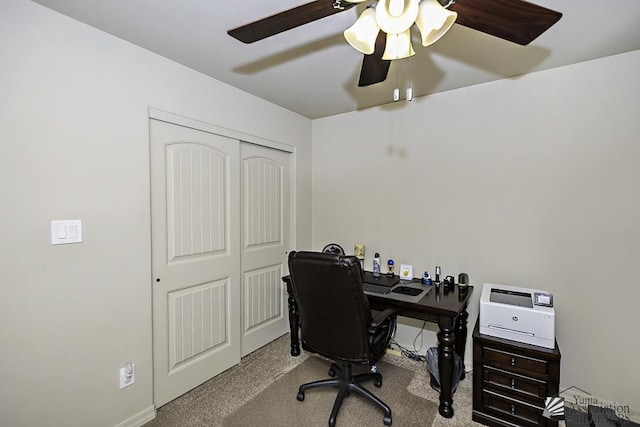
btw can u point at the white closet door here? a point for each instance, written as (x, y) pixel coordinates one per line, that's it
(195, 194)
(265, 243)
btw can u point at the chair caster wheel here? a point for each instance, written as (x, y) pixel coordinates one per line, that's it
(377, 383)
(387, 421)
(300, 396)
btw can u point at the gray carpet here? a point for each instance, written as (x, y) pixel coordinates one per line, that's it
(277, 404)
(208, 404)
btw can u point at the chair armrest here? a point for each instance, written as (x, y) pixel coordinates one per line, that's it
(381, 318)
(380, 331)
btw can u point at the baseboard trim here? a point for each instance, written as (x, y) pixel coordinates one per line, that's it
(139, 419)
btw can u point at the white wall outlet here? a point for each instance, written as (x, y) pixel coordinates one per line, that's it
(127, 375)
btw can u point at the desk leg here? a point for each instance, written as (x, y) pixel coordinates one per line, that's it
(294, 324)
(461, 335)
(446, 347)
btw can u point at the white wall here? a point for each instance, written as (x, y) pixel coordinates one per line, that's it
(531, 182)
(74, 132)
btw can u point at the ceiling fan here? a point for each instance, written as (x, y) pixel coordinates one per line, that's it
(517, 21)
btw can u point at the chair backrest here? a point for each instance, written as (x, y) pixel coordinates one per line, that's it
(334, 311)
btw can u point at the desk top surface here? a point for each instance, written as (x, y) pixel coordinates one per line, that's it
(440, 302)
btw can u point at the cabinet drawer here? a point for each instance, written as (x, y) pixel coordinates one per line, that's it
(512, 410)
(513, 384)
(515, 360)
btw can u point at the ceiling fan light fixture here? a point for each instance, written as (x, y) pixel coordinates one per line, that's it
(363, 33)
(396, 16)
(434, 21)
(398, 46)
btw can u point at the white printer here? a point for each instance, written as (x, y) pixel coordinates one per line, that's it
(519, 314)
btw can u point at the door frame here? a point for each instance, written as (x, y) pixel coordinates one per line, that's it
(218, 130)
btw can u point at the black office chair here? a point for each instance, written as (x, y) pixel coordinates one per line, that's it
(336, 322)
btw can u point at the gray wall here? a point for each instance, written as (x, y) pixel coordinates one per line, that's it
(74, 132)
(530, 182)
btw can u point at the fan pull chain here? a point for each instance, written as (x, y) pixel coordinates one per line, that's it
(396, 91)
(409, 91)
(410, 80)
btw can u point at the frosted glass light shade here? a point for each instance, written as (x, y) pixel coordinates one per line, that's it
(396, 16)
(363, 33)
(434, 21)
(398, 46)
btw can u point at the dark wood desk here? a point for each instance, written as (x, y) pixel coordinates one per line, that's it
(447, 308)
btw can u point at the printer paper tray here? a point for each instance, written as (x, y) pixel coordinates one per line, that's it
(514, 331)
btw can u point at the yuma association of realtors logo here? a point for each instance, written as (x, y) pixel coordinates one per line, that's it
(554, 408)
(583, 408)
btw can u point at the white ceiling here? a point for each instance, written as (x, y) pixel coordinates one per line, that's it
(311, 70)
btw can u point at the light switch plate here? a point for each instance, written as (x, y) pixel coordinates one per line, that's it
(66, 231)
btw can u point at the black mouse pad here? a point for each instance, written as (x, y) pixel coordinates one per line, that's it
(407, 290)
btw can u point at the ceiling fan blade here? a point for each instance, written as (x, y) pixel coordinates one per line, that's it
(374, 68)
(287, 20)
(514, 20)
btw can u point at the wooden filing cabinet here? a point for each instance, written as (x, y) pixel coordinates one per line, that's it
(512, 380)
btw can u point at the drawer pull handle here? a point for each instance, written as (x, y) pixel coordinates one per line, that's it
(513, 383)
(513, 361)
(513, 410)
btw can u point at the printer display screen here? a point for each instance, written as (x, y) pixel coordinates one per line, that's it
(521, 299)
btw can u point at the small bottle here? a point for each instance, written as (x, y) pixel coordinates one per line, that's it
(426, 278)
(438, 273)
(376, 265)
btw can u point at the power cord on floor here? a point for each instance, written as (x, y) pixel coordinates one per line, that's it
(414, 354)
(411, 354)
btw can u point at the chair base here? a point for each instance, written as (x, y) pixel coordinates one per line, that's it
(347, 382)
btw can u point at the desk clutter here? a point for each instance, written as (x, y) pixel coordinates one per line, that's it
(402, 286)
(393, 287)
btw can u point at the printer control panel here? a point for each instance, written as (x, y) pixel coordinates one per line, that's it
(543, 299)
